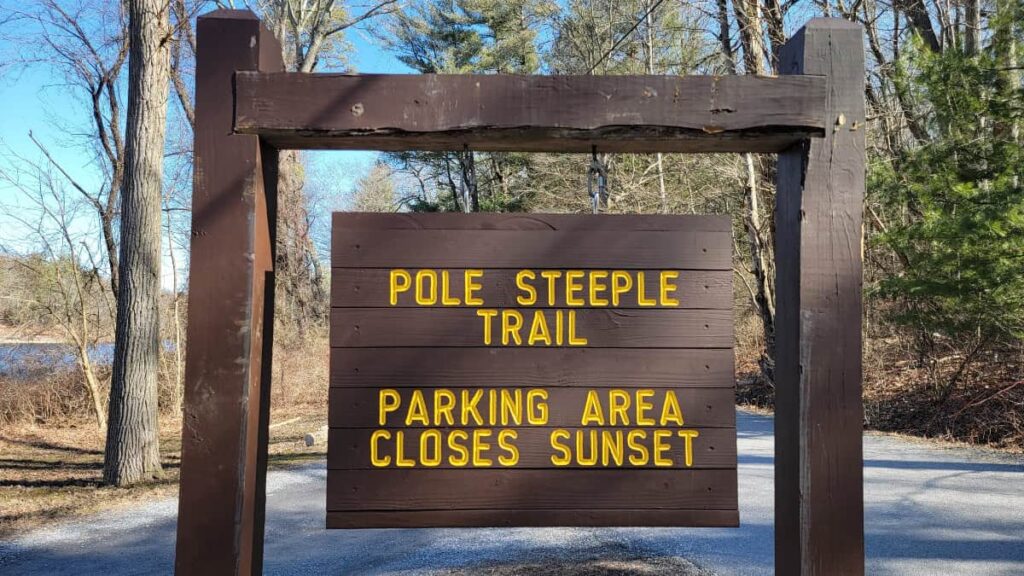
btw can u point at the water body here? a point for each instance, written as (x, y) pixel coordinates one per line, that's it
(22, 360)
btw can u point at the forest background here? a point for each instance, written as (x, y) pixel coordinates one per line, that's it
(944, 211)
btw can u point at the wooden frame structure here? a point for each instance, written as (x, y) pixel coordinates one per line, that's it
(247, 109)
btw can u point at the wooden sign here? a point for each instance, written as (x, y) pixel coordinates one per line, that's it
(531, 370)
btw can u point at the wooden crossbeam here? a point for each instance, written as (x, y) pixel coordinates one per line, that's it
(530, 113)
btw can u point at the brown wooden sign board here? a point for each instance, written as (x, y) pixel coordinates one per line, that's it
(812, 115)
(531, 370)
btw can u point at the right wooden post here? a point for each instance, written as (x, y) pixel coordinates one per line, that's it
(819, 494)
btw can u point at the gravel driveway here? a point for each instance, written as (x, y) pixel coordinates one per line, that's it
(930, 511)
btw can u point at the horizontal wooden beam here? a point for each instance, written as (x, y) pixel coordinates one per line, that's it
(531, 366)
(503, 488)
(359, 407)
(710, 448)
(530, 113)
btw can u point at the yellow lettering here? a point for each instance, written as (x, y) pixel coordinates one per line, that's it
(688, 436)
(574, 340)
(511, 324)
(537, 407)
(643, 407)
(444, 407)
(622, 283)
(446, 287)
(580, 458)
(539, 330)
(428, 438)
(529, 298)
(511, 407)
(471, 287)
(660, 447)
(558, 327)
(400, 282)
(462, 457)
(504, 442)
(388, 400)
(572, 287)
(592, 412)
(641, 292)
(486, 314)
(417, 410)
(596, 286)
(611, 447)
(551, 276)
(670, 411)
(479, 447)
(400, 460)
(469, 407)
(426, 287)
(618, 404)
(668, 287)
(640, 456)
(565, 456)
(493, 408)
(375, 459)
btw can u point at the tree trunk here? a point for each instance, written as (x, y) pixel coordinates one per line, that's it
(748, 18)
(133, 440)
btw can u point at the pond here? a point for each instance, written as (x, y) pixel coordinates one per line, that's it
(23, 359)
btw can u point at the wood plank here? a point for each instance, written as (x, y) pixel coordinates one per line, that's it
(413, 489)
(819, 486)
(528, 113)
(523, 221)
(548, 367)
(714, 448)
(530, 249)
(533, 518)
(701, 407)
(461, 327)
(369, 288)
(220, 520)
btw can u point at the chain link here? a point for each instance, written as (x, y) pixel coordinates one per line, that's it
(597, 174)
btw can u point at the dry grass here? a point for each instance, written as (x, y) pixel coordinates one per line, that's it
(49, 474)
(51, 452)
(986, 407)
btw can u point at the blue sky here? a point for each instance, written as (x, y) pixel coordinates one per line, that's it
(33, 98)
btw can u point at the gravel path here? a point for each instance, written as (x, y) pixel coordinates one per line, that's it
(930, 511)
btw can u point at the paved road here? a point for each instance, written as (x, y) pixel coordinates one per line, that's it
(930, 511)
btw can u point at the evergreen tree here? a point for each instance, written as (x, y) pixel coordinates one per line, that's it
(961, 237)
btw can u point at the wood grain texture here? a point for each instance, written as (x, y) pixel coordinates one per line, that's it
(548, 367)
(368, 288)
(528, 113)
(714, 448)
(530, 249)
(461, 327)
(522, 221)
(413, 489)
(220, 517)
(819, 498)
(532, 518)
(701, 407)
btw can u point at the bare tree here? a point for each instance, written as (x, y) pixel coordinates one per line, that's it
(67, 294)
(86, 41)
(133, 440)
(311, 33)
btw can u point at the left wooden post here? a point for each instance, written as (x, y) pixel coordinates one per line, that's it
(230, 311)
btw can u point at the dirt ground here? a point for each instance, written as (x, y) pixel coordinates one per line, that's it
(49, 473)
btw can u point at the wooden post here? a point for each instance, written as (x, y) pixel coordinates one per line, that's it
(819, 498)
(223, 461)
